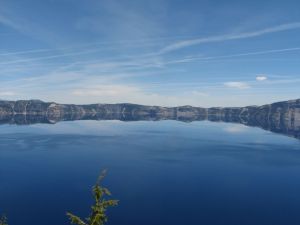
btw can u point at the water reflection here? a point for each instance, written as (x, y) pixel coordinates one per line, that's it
(289, 124)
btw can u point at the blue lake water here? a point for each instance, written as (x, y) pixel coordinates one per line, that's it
(163, 173)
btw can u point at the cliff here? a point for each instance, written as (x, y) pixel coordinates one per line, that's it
(281, 117)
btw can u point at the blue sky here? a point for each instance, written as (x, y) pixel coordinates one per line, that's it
(159, 52)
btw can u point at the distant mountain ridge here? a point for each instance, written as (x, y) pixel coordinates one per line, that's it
(281, 117)
(40, 107)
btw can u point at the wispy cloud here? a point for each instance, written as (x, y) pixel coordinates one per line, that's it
(7, 93)
(24, 25)
(117, 57)
(199, 93)
(7, 21)
(106, 91)
(237, 85)
(261, 78)
(192, 42)
(211, 58)
(51, 57)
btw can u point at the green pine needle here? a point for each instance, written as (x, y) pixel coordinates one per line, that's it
(98, 215)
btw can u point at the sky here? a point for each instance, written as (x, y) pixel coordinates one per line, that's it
(159, 52)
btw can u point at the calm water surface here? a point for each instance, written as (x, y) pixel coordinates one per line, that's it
(163, 173)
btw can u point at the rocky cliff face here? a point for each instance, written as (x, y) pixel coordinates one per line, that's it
(57, 112)
(281, 117)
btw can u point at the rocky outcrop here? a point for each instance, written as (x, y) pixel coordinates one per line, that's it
(281, 117)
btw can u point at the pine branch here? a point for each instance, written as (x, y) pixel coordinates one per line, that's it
(98, 215)
(3, 220)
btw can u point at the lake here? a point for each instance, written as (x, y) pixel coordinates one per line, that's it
(163, 172)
